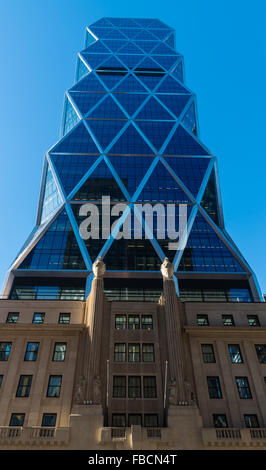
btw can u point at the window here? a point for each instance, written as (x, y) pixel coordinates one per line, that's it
(253, 320)
(214, 387)
(119, 420)
(38, 317)
(148, 352)
(243, 387)
(120, 352)
(134, 387)
(17, 419)
(220, 421)
(235, 353)
(134, 419)
(64, 318)
(120, 322)
(12, 317)
(147, 322)
(24, 386)
(149, 387)
(228, 320)
(150, 420)
(202, 320)
(5, 349)
(1, 380)
(133, 352)
(119, 386)
(49, 419)
(31, 351)
(261, 352)
(54, 386)
(251, 421)
(59, 352)
(208, 353)
(133, 322)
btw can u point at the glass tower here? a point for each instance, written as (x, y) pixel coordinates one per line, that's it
(130, 135)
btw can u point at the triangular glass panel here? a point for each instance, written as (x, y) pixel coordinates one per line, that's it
(191, 171)
(174, 103)
(148, 65)
(170, 85)
(156, 131)
(182, 143)
(82, 70)
(77, 141)
(86, 101)
(151, 81)
(130, 33)
(110, 79)
(108, 109)
(130, 61)
(146, 46)
(158, 24)
(71, 168)
(161, 33)
(130, 48)
(163, 49)
(209, 201)
(162, 187)
(189, 120)
(56, 250)
(93, 60)
(123, 22)
(130, 101)
(170, 41)
(166, 61)
(114, 44)
(132, 255)
(101, 32)
(145, 22)
(178, 72)
(130, 143)
(70, 117)
(103, 22)
(145, 35)
(51, 198)
(131, 170)
(111, 64)
(105, 130)
(154, 110)
(206, 252)
(114, 34)
(100, 183)
(89, 83)
(130, 84)
(97, 47)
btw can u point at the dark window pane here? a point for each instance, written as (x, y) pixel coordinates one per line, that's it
(119, 420)
(148, 353)
(133, 352)
(134, 387)
(133, 322)
(31, 351)
(64, 318)
(235, 353)
(54, 386)
(147, 322)
(134, 419)
(220, 421)
(149, 387)
(12, 317)
(119, 386)
(243, 387)
(151, 420)
(17, 419)
(202, 320)
(38, 317)
(120, 352)
(59, 352)
(5, 349)
(49, 419)
(120, 322)
(261, 352)
(24, 386)
(253, 320)
(228, 320)
(251, 421)
(208, 353)
(214, 387)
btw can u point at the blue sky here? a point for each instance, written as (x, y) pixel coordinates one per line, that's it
(224, 45)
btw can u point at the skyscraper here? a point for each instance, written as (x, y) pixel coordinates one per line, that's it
(129, 145)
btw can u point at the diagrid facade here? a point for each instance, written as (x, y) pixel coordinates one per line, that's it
(128, 268)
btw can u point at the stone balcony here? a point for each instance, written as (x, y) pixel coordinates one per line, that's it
(34, 436)
(234, 437)
(133, 437)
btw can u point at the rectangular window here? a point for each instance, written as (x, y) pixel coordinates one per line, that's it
(5, 349)
(1, 380)
(38, 318)
(59, 352)
(31, 351)
(17, 419)
(119, 420)
(235, 353)
(119, 386)
(202, 320)
(12, 317)
(253, 320)
(261, 352)
(133, 322)
(54, 386)
(251, 421)
(120, 322)
(220, 421)
(134, 419)
(150, 420)
(228, 320)
(24, 386)
(243, 387)
(214, 387)
(49, 420)
(208, 353)
(134, 387)
(148, 353)
(120, 352)
(149, 387)
(146, 322)
(133, 352)
(64, 318)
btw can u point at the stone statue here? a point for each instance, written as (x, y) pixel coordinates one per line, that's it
(98, 268)
(167, 269)
(172, 392)
(80, 391)
(189, 393)
(97, 390)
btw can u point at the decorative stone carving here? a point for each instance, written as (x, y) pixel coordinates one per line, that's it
(97, 390)
(98, 268)
(172, 392)
(167, 269)
(80, 391)
(189, 392)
